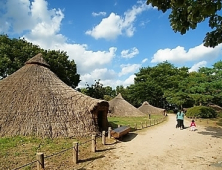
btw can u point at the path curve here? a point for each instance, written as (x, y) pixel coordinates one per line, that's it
(163, 147)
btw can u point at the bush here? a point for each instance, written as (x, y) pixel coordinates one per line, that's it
(201, 112)
(219, 114)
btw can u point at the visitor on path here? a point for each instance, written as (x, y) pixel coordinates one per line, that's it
(177, 125)
(180, 118)
(193, 125)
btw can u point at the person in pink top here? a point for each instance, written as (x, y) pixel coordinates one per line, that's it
(192, 125)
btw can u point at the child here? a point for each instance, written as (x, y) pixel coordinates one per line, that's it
(192, 125)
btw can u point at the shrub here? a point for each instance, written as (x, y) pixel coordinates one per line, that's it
(201, 112)
(219, 114)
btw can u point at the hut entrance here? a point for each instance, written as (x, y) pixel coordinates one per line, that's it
(101, 119)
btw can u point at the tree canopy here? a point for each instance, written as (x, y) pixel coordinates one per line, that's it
(15, 52)
(186, 14)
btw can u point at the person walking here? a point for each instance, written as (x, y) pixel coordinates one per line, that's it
(180, 118)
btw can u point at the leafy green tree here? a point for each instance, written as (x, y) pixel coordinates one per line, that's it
(15, 52)
(186, 14)
(95, 90)
(213, 82)
(152, 82)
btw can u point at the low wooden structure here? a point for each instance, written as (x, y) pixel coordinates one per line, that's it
(120, 131)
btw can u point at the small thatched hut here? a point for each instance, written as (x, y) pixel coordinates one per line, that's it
(34, 101)
(149, 109)
(120, 107)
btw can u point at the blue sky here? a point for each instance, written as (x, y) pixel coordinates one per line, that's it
(108, 40)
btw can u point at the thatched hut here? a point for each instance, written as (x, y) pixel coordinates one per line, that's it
(149, 109)
(120, 107)
(34, 101)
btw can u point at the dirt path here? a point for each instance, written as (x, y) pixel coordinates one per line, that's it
(163, 147)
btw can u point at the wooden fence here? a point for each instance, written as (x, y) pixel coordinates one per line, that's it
(40, 158)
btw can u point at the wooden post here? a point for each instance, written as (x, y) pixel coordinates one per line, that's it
(149, 116)
(109, 132)
(40, 161)
(93, 143)
(150, 122)
(75, 152)
(141, 125)
(103, 137)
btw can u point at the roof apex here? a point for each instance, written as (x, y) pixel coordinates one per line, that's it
(37, 59)
(119, 96)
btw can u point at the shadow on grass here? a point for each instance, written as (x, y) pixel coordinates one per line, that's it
(215, 132)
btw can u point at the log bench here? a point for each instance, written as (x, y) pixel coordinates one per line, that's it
(120, 131)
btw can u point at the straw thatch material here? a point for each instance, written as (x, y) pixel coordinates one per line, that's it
(216, 107)
(34, 101)
(149, 109)
(120, 107)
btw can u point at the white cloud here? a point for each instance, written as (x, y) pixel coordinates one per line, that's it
(144, 60)
(98, 14)
(21, 15)
(109, 28)
(196, 67)
(180, 55)
(114, 25)
(106, 76)
(129, 68)
(88, 60)
(129, 81)
(130, 53)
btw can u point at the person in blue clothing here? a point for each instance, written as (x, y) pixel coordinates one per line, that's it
(180, 118)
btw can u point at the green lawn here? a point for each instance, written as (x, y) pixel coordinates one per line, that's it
(131, 121)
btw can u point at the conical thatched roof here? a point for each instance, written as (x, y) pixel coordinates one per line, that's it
(149, 109)
(120, 107)
(34, 101)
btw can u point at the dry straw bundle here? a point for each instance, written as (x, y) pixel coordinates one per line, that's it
(120, 107)
(149, 109)
(34, 101)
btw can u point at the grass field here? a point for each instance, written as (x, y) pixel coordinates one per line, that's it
(130, 121)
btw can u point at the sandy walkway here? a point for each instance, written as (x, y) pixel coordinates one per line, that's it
(163, 147)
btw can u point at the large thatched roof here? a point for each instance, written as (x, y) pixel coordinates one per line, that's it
(149, 109)
(34, 101)
(120, 107)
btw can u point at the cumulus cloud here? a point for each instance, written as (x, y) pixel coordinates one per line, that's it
(196, 66)
(129, 80)
(106, 77)
(180, 55)
(114, 25)
(129, 68)
(98, 14)
(22, 15)
(130, 53)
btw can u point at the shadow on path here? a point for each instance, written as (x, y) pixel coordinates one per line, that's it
(215, 132)
(128, 137)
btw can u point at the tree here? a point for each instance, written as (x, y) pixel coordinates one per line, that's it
(15, 52)
(186, 14)
(152, 82)
(95, 90)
